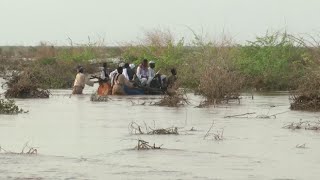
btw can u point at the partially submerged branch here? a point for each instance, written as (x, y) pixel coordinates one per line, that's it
(307, 125)
(218, 136)
(26, 150)
(135, 128)
(172, 101)
(144, 145)
(240, 115)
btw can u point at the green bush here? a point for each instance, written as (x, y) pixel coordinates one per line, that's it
(272, 61)
(8, 106)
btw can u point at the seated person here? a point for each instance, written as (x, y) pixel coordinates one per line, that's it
(152, 73)
(131, 71)
(125, 71)
(155, 79)
(114, 73)
(122, 86)
(143, 72)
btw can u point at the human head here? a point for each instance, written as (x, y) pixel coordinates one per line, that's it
(104, 65)
(120, 69)
(132, 66)
(126, 65)
(80, 69)
(152, 64)
(174, 71)
(145, 62)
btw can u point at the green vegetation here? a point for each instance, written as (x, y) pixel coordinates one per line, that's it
(215, 69)
(8, 106)
(158, 46)
(272, 62)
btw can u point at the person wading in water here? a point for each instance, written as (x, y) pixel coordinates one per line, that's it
(79, 82)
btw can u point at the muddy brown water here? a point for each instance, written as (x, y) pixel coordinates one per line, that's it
(80, 139)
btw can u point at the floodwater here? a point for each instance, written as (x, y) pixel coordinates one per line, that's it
(80, 139)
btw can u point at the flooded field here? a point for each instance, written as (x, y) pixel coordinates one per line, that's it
(80, 139)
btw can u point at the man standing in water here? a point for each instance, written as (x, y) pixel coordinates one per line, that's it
(79, 82)
(172, 83)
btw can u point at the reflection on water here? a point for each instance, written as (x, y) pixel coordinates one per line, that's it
(80, 139)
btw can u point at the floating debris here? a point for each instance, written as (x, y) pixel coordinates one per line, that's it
(135, 128)
(263, 116)
(172, 130)
(144, 145)
(301, 146)
(307, 125)
(240, 115)
(260, 116)
(218, 136)
(172, 101)
(30, 150)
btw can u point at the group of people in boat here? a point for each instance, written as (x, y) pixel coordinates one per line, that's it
(129, 80)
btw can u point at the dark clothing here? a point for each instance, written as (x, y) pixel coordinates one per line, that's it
(105, 74)
(156, 82)
(130, 73)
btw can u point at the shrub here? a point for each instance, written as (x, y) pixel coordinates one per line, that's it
(8, 106)
(218, 84)
(272, 61)
(307, 96)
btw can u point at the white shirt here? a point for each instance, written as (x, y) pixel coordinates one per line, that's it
(112, 74)
(103, 75)
(125, 73)
(151, 75)
(80, 80)
(140, 73)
